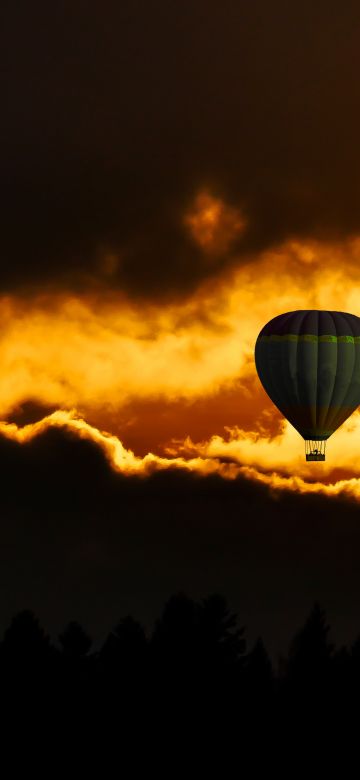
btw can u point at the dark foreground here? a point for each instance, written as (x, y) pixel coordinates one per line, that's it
(193, 678)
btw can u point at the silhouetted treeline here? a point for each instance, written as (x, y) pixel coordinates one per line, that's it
(195, 663)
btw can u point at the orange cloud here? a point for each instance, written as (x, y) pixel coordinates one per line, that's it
(213, 224)
(99, 353)
(108, 358)
(282, 453)
(205, 462)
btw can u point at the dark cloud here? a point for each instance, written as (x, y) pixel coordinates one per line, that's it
(113, 116)
(29, 411)
(78, 541)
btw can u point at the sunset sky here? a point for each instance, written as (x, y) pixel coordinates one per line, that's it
(174, 175)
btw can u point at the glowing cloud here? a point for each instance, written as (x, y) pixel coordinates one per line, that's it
(207, 462)
(104, 354)
(283, 453)
(213, 224)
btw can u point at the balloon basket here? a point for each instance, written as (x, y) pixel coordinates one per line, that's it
(315, 449)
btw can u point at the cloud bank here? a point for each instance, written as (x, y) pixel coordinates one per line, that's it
(118, 121)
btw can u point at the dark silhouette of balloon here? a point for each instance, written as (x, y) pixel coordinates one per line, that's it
(309, 364)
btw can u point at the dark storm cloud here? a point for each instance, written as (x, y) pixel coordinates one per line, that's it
(113, 115)
(79, 541)
(29, 411)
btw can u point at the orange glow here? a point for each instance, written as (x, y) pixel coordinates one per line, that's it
(126, 462)
(177, 383)
(213, 224)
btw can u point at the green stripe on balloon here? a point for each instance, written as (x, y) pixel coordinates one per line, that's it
(311, 338)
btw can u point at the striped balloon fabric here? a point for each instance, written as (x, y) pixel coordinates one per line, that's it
(308, 362)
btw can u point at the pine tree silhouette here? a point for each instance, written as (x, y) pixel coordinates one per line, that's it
(24, 640)
(310, 650)
(223, 642)
(175, 636)
(125, 647)
(27, 660)
(194, 670)
(309, 665)
(75, 667)
(74, 641)
(122, 668)
(259, 671)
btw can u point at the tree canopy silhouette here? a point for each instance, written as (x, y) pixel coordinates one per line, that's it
(74, 640)
(194, 664)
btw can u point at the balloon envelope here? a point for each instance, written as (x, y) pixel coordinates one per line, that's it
(308, 362)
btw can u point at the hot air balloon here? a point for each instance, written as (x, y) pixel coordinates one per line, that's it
(308, 361)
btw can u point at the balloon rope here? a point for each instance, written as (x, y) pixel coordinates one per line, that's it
(315, 449)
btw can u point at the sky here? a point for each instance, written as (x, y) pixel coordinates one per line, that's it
(173, 176)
